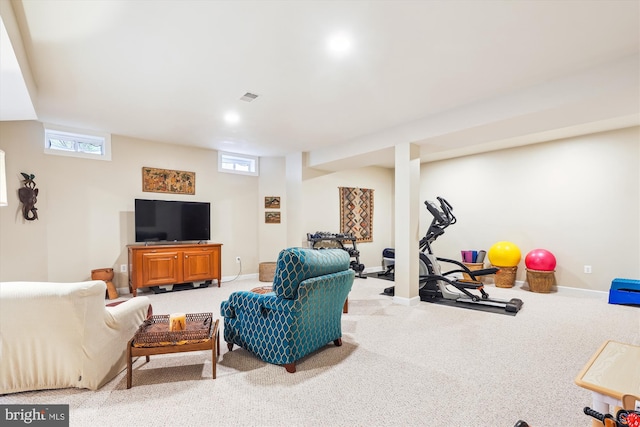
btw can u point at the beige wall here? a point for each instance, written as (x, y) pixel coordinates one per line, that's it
(577, 197)
(86, 206)
(272, 237)
(321, 203)
(86, 218)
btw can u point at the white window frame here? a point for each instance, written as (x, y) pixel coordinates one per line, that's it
(77, 136)
(238, 159)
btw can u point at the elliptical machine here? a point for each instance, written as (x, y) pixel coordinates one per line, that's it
(435, 285)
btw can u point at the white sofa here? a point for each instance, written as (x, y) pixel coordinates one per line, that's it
(58, 335)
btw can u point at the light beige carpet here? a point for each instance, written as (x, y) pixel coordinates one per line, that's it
(428, 365)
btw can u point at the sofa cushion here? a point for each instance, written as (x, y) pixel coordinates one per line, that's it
(295, 265)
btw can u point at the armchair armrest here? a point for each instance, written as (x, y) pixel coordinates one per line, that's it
(251, 302)
(239, 301)
(272, 302)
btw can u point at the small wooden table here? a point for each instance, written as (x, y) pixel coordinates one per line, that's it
(154, 337)
(612, 372)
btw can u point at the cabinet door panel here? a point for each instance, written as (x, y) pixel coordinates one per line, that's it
(160, 268)
(199, 265)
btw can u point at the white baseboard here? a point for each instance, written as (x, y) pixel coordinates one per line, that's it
(409, 302)
(570, 291)
(567, 290)
(583, 292)
(240, 277)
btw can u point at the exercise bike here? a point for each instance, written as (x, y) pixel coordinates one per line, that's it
(437, 286)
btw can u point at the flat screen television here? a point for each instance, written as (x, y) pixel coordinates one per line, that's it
(172, 221)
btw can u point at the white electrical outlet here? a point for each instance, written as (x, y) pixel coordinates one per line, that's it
(238, 259)
(123, 268)
(587, 269)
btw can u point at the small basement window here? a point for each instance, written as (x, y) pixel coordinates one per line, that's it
(238, 163)
(69, 142)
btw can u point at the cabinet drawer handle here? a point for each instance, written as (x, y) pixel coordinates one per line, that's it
(186, 256)
(176, 257)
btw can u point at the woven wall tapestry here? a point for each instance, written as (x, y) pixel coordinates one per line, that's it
(356, 213)
(168, 181)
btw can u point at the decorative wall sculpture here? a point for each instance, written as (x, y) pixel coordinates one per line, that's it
(356, 213)
(29, 196)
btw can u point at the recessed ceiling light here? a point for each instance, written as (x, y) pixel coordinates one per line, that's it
(339, 43)
(231, 118)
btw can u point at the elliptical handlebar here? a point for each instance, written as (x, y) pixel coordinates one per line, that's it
(442, 218)
(443, 215)
(447, 209)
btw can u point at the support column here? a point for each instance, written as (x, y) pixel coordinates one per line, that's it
(407, 221)
(272, 182)
(295, 234)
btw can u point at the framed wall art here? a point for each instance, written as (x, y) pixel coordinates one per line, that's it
(272, 217)
(168, 181)
(272, 202)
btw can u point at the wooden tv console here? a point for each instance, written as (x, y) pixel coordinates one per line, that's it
(160, 265)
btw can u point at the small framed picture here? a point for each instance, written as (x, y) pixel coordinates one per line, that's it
(272, 217)
(272, 202)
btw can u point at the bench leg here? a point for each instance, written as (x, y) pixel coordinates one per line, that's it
(129, 364)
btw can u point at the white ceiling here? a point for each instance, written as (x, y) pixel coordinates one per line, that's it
(453, 76)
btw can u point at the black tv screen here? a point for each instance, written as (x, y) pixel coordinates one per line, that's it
(171, 221)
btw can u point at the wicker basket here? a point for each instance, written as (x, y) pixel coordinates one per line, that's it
(506, 277)
(266, 271)
(473, 266)
(540, 281)
(154, 332)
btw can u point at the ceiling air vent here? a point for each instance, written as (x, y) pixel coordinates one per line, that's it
(248, 97)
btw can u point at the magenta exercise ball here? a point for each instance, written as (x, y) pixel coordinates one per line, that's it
(504, 254)
(540, 259)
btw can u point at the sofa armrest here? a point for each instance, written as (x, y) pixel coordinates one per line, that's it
(130, 312)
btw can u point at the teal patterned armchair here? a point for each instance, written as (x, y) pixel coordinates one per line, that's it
(301, 315)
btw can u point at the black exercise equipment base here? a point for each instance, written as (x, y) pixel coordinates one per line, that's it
(179, 287)
(472, 306)
(511, 307)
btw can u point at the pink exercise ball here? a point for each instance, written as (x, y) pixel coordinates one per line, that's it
(540, 259)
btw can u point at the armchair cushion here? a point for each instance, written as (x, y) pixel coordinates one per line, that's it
(302, 314)
(58, 335)
(296, 265)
